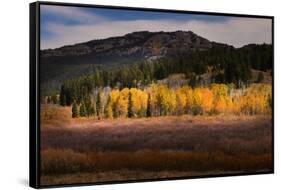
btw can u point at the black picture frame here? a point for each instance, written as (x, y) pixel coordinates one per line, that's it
(34, 91)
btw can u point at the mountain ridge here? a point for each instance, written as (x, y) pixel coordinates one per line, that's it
(141, 44)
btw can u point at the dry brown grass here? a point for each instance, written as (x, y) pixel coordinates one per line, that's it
(90, 150)
(67, 165)
(54, 115)
(67, 161)
(251, 134)
(124, 175)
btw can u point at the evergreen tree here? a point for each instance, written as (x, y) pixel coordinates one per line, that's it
(74, 110)
(62, 96)
(260, 77)
(54, 99)
(130, 106)
(148, 111)
(48, 100)
(94, 108)
(108, 109)
(64, 100)
(193, 81)
(82, 111)
(88, 105)
(98, 78)
(99, 104)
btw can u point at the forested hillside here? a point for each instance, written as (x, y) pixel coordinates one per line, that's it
(140, 58)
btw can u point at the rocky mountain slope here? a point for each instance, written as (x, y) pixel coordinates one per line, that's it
(136, 45)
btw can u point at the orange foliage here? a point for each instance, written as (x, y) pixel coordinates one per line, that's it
(256, 99)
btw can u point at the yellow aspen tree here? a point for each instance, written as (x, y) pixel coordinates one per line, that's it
(112, 102)
(190, 101)
(220, 104)
(202, 100)
(143, 98)
(153, 91)
(206, 100)
(122, 103)
(180, 101)
(256, 99)
(219, 89)
(166, 100)
(196, 107)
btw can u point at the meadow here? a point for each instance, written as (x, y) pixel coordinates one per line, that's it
(83, 150)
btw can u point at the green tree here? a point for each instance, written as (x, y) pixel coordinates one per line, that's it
(94, 108)
(74, 110)
(49, 100)
(260, 77)
(108, 109)
(130, 106)
(88, 105)
(99, 104)
(54, 99)
(148, 110)
(82, 111)
(193, 81)
(62, 96)
(64, 100)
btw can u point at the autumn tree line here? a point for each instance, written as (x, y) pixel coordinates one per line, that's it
(134, 90)
(159, 100)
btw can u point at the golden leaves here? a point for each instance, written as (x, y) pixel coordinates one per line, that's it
(218, 98)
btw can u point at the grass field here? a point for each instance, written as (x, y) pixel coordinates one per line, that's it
(90, 150)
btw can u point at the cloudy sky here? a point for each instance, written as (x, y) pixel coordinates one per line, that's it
(64, 25)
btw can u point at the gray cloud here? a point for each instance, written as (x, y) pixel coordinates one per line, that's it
(236, 31)
(71, 13)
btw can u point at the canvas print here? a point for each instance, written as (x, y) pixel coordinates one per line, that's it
(129, 95)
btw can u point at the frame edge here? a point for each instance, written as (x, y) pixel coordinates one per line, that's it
(33, 87)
